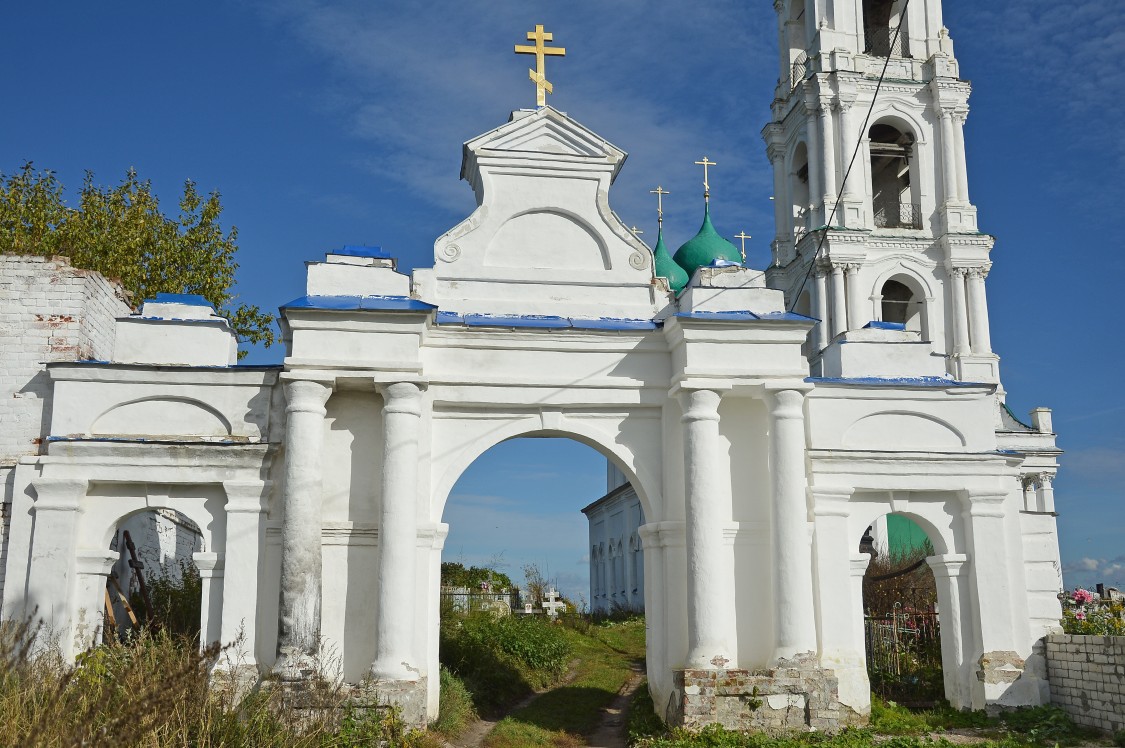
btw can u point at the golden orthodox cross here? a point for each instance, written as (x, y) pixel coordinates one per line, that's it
(540, 50)
(660, 192)
(706, 185)
(743, 236)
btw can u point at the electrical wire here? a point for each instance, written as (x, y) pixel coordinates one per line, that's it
(855, 153)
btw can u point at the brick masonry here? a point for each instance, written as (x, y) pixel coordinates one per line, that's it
(1087, 675)
(49, 311)
(796, 696)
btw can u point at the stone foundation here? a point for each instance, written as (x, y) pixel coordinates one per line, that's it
(313, 697)
(794, 696)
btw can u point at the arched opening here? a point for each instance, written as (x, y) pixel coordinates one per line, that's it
(797, 42)
(539, 528)
(900, 609)
(157, 579)
(880, 20)
(799, 188)
(902, 305)
(892, 186)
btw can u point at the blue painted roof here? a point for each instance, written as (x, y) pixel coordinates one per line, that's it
(746, 316)
(540, 321)
(357, 250)
(365, 303)
(896, 381)
(877, 325)
(190, 299)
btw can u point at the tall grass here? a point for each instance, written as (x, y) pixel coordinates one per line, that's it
(158, 691)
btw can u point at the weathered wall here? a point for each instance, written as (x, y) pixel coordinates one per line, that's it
(1087, 676)
(49, 311)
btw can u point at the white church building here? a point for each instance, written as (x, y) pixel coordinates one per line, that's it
(763, 420)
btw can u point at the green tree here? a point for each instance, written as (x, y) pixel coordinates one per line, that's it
(454, 574)
(121, 233)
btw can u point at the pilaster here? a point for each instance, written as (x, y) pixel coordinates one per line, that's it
(246, 507)
(51, 578)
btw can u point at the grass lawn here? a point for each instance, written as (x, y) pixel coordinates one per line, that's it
(561, 716)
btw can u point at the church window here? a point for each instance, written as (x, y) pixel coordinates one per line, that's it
(892, 189)
(880, 20)
(797, 41)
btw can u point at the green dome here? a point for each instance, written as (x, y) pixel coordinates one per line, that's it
(706, 247)
(666, 267)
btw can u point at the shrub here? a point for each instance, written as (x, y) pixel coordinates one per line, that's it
(502, 659)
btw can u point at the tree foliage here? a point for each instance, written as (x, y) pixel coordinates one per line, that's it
(121, 233)
(454, 574)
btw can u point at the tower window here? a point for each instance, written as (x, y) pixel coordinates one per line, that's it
(880, 19)
(891, 188)
(900, 304)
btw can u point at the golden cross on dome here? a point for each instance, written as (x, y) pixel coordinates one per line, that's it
(660, 192)
(743, 236)
(540, 50)
(636, 231)
(706, 185)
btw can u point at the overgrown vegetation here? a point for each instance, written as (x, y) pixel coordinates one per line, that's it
(122, 233)
(603, 655)
(157, 691)
(502, 659)
(892, 726)
(454, 574)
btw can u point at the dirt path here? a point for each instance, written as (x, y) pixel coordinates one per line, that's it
(611, 733)
(475, 733)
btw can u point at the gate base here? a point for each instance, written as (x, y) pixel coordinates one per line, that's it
(796, 695)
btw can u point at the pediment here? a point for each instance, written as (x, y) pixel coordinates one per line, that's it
(545, 131)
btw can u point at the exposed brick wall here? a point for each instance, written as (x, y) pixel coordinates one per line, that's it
(49, 311)
(1087, 675)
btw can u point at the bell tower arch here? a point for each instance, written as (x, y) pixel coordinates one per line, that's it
(868, 150)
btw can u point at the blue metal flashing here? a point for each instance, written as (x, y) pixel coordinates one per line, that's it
(877, 325)
(236, 442)
(356, 250)
(365, 303)
(721, 263)
(188, 299)
(940, 382)
(745, 316)
(546, 322)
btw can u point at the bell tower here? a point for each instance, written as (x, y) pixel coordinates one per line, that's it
(889, 236)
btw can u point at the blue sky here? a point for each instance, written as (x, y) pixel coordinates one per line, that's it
(331, 123)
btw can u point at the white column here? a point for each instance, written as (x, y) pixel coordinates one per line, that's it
(855, 307)
(299, 615)
(949, 576)
(816, 158)
(782, 215)
(398, 532)
(828, 148)
(710, 573)
(210, 566)
(959, 312)
(820, 293)
(839, 301)
(981, 338)
(948, 156)
(962, 163)
(93, 569)
(246, 507)
(51, 573)
(793, 598)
